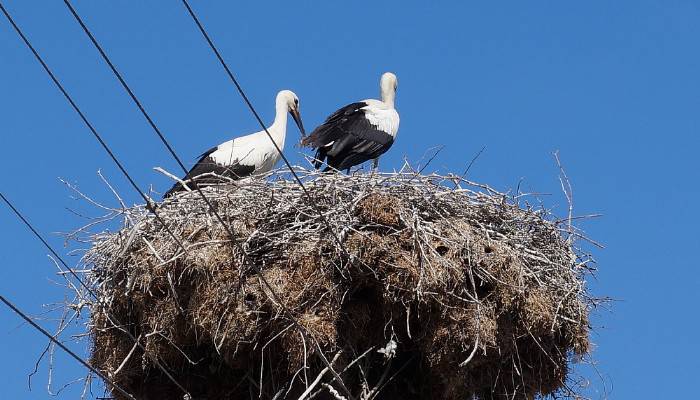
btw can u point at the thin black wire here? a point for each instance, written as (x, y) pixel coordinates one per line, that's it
(226, 226)
(63, 347)
(150, 121)
(296, 177)
(88, 288)
(126, 87)
(262, 124)
(154, 126)
(149, 203)
(38, 236)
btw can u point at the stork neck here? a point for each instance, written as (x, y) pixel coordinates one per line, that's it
(280, 114)
(388, 97)
(278, 129)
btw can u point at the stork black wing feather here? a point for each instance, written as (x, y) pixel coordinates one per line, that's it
(332, 128)
(354, 149)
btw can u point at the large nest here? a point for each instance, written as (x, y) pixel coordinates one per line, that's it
(411, 286)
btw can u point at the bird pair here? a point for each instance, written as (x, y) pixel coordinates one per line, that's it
(354, 134)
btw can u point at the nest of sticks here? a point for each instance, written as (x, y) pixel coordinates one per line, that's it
(408, 286)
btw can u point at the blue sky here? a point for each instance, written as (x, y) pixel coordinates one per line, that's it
(614, 86)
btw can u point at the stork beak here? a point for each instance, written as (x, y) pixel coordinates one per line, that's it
(297, 119)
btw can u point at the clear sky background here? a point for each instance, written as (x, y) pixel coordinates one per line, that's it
(615, 86)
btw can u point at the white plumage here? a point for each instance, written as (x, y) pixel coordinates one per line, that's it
(250, 154)
(382, 115)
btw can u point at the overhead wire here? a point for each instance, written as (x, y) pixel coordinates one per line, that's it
(240, 90)
(149, 202)
(63, 347)
(233, 79)
(227, 227)
(87, 287)
(124, 84)
(46, 244)
(155, 128)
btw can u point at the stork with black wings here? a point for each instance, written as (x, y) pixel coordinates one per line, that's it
(358, 132)
(246, 155)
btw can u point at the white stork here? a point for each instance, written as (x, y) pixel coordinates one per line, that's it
(250, 154)
(357, 132)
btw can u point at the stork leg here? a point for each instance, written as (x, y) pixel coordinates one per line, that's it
(375, 164)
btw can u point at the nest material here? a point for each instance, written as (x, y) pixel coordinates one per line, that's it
(435, 293)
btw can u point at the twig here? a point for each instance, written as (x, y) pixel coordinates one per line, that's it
(173, 177)
(126, 359)
(316, 381)
(566, 188)
(476, 346)
(469, 166)
(334, 392)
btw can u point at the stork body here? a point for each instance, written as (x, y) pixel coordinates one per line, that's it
(358, 132)
(246, 155)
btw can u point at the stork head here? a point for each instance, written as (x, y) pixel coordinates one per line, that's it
(287, 98)
(388, 85)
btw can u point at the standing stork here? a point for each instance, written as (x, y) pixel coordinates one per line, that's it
(357, 132)
(246, 155)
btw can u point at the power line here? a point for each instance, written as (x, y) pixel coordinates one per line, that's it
(296, 177)
(158, 132)
(228, 229)
(124, 84)
(149, 203)
(262, 124)
(226, 226)
(41, 238)
(63, 347)
(154, 126)
(89, 289)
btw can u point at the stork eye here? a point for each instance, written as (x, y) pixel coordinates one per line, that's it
(296, 101)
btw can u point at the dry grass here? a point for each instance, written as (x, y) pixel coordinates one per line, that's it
(482, 297)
